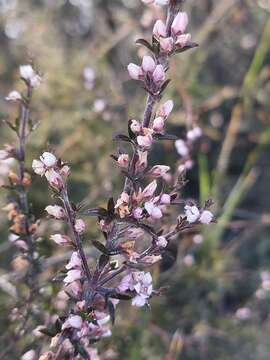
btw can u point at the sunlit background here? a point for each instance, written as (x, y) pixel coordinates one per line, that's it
(217, 303)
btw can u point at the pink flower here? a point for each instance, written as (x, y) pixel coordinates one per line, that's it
(153, 210)
(54, 179)
(141, 163)
(180, 23)
(183, 40)
(61, 239)
(158, 124)
(137, 213)
(123, 160)
(80, 226)
(75, 287)
(165, 199)
(75, 261)
(159, 74)
(165, 109)
(159, 170)
(194, 134)
(150, 189)
(206, 217)
(161, 242)
(73, 321)
(148, 64)
(159, 29)
(192, 213)
(72, 275)
(56, 211)
(145, 141)
(135, 71)
(38, 167)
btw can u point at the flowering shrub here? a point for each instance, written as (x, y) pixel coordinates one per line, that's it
(139, 212)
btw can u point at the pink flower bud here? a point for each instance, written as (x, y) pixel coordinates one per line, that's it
(166, 109)
(48, 159)
(21, 244)
(153, 210)
(54, 179)
(181, 148)
(165, 199)
(206, 217)
(73, 321)
(75, 287)
(80, 226)
(183, 40)
(161, 242)
(135, 126)
(123, 160)
(159, 29)
(35, 81)
(145, 141)
(38, 167)
(135, 71)
(72, 275)
(194, 134)
(148, 64)
(150, 189)
(180, 23)
(56, 211)
(141, 164)
(61, 239)
(159, 74)
(75, 261)
(166, 44)
(137, 213)
(159, 170)
(64, 171)
(14, 96)
(158, 124)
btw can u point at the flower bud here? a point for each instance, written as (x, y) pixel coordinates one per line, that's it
(166, 109)
(141, 164)
(166, 44)
(64, 171)
(123, 160)
(135, 126)
(61, 239)
(14, 96)
(135, 71)
(56, 211)
(73, 321)
(72, 275)
(153, 210)
(148, 64)
(145, 141)
(159, 29)
(54, 179)
(27, 72)
(181, 148)
(194, 134)
(159, 74)
(159, 170)
(161, 242)
(29, 355)
(165, 199)
(180, 23)
(80, 226)
(75, 261)
(183, 40)
(150, 189)
(192, 213)
(137, 213)
(48, 159)
(206, 217)
(158, 124)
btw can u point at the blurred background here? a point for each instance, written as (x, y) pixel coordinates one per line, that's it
(217, 304)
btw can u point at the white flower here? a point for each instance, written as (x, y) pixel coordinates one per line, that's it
(243, 313)
(54, 179)
(48, 159)
(161, 242)
(27, 72)
(29, 355)
(60, 239)
(80, 226)
(206, 217)
(75, 261)
(150, 189)
(14, 96)
(153, 210)
(192, 213)
(38, 167)
(181, 147)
